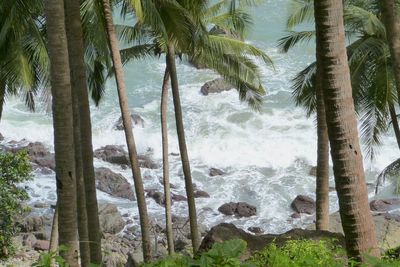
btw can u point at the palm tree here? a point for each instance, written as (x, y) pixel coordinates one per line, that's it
(126, 118)
(346, 155)
(63, 129)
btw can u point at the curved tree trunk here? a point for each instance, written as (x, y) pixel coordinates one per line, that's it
(183, 150)
(78, 82)
(322, 185)
(63, 129)
(126, 118)
(395, 123)
(346, 155)
(167, 190)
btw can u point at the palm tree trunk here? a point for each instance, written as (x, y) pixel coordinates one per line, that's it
(63, 129)
(126, 118)
(395, 123)
(78, 82)
(2, 98)
(392, 25)
(167, 190)
(54, 232)
(183, 150)
(322, 185)
(346, 155)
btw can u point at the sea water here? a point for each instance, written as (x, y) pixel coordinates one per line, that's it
(266, 155)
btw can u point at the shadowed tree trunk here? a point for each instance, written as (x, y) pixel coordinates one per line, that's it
(78, 82)
(167, 190)
(54, 232)
(322, 185)
(171, 65)
(395, 123)
(126, 118)
(346, 155)
(63, 130)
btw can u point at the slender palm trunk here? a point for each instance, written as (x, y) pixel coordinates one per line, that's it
(78, 82)
(346, 155)
(395, 123)
(2, 98)
(167, 190)
(63, 129)
(126, 118)
(194, 233)
(322, 185)
(54, 232)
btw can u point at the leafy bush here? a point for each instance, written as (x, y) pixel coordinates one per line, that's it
(14, 169)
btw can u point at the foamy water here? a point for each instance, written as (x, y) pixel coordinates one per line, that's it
(266, 155)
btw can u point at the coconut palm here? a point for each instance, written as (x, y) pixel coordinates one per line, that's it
(63, 129)
(346, 155)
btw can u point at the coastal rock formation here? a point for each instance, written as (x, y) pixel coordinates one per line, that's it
(201, 194)
(110, 218)
(137, 121)
(215, 86)
(113, 183)
(240, 209)
(382, 205)
(158, 197)
(216, 172)
(303, 204)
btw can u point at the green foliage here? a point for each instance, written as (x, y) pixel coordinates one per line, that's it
(48, 259)
(14, 169)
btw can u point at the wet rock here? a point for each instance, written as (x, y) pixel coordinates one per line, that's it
(240, 209)
(174, 154)
(47, 161)
(32, 223)
(1, 137)
(178, 198)
(313, 171)
(201, 194)
(215, 86)
(40, 205)
(227, 231)
(392, 216)
(137, 121)
(113, 183)
(255, 230)
(216, 172)
(295, 215)
(382, 205)
(42, 245)
(110, 219)
(145, 161)
(29, 240)
(180, 244)
(157, 196)
(303, 204)
(332, 189)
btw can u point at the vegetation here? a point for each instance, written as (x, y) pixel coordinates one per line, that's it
(14, 170)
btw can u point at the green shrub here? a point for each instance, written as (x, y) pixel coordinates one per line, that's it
(14, 169)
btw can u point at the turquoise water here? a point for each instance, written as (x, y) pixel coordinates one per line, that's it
(267, 155)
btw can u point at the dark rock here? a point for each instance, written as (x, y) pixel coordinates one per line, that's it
(240, 209)
(1, 137)
(216, 172)
(157, 196)
(32, 223)
(131, 262)
(332, 189)
(41, 235)
(215, 86)
(174, 154)
(40, 205)
(201, 194)
(295, 215)
(178, 198)
(47, 161)
(256, 230)
(226, 231)
(383, 204)
(180, 244)
(303, 204)
(313, 171)
(392, 216)
(42, 245)
(29, 240)
(137, 121)
(110, 219)
(145, 161)
(113, 183)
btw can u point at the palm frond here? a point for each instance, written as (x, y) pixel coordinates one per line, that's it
(293, 38)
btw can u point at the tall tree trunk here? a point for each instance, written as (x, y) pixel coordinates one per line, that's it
(346, 155)
(78, 82)
(167, 190)
(322, 185)
(126, 118)
(63, 129)
(194, 233)
(392, 25)
(54, 232)
(2, 98)
(395, 123)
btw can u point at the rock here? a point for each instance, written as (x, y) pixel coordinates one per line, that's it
(228, 231)
(215, 86)
(132, 261)
(180, 244)
(47, 161)
(201, 194)
(157, 196)
(391, 216)
(1, 137)
(332, 189)
(32, 223)
(255, 230)
(383, 204)
(29, 240)
(110, 219)
(176, 197)
(40, 205)
(137, 121)
(113, 183)
(303, 204)
(240, 209)
(216, 172)
(313, 171)
(295, 215)
(145, 161)
(42, 245)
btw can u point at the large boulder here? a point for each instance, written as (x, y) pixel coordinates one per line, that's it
(113, 183)
(383, 205)
(215, 86)
(110, 218)
(228, 231)
(216, 172)
(201, 194)
(137, 121)
(158, 197)
(240, 209)
(32, 223)
(303, 204)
